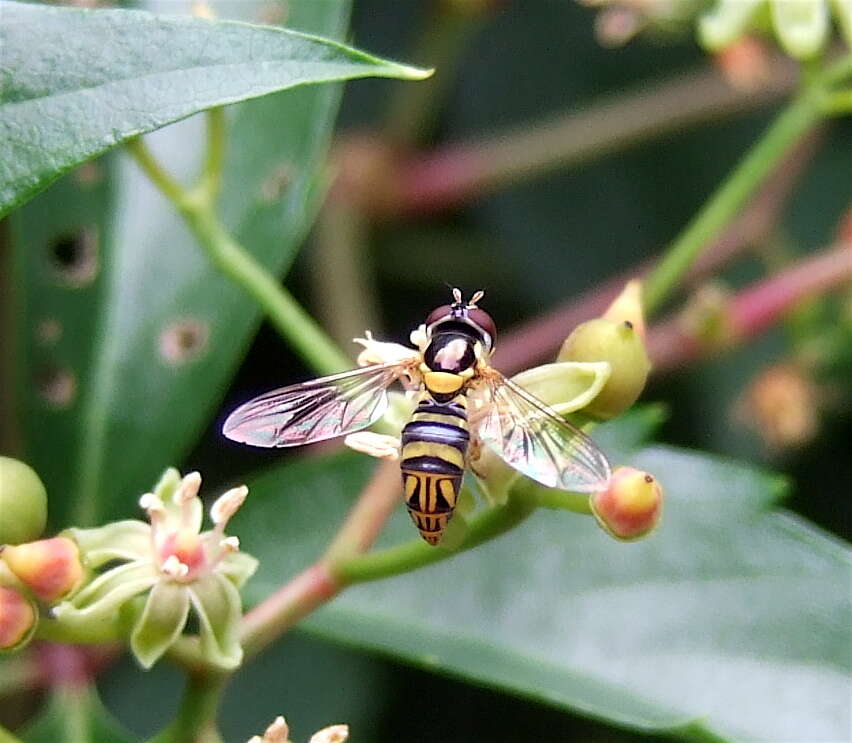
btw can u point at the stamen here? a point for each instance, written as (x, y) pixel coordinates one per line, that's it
(230, 544)
(457, 295)
(227, 505)
(188, 488)
(475, 298)
(150, 502)
(277, 732)
(174, 568)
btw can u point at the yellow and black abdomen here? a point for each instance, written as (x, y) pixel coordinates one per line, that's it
(434, 445)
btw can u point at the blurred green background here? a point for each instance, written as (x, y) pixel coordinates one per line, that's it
(531, 245)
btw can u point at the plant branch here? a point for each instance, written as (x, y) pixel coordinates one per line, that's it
(793, 122)
(368, 516)
(211, 176)
(415, 554)
(7, 737)
(322, 581)
(449, 176)
(540, 338)
(238, 264)
(196, 718)
(675, 342)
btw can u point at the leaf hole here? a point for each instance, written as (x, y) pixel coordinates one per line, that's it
(56, 386)
(184, 340)
(274, 13)
(48, 331)
(89, 174)
(74, 257)
(276, 183)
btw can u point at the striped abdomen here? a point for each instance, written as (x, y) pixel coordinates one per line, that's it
(434, 445)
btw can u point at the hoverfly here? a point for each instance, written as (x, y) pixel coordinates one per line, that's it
(462, 404)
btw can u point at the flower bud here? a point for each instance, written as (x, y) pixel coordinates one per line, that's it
(23, 502)
(631, 505)
(333, 734)
(619, 344)
(18, 619)
(50, 568)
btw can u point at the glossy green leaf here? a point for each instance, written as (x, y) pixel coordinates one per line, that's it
(77, 82)
(74, 714)
(127, 334)
(732, 620)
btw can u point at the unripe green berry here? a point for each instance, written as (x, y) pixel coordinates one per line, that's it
(622, 346)
(23, 502)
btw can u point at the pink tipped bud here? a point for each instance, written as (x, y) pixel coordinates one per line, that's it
(630, 507)
(50, 568)
(17, 619)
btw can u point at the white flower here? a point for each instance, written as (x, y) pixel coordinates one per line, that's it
(175, 565)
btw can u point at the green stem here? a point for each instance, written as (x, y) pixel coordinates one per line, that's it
(211, 176)
(799, 116)
(416, 554)
(307, 338)
(7, 737)
(562, 500)
(238, 264)
(196, 718)
(839, 103)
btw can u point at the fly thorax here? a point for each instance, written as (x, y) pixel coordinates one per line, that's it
(448, 362)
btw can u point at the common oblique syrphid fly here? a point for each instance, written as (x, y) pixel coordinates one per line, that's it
(461, 405)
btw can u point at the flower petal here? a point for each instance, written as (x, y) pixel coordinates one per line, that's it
(217, 603)
(122, 540)
(161, 621)
(565, 386)
(801, 25)
(100, 606)
(726, 22)
(112, 588)
(237, 567)
(843, 13)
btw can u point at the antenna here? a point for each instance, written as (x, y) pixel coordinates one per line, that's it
(475, 298)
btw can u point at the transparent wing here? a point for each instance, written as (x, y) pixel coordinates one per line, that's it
(532, 438)
(319, 409)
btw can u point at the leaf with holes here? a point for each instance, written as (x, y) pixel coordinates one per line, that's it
(128, 334)
(730, 623)
(77, 82)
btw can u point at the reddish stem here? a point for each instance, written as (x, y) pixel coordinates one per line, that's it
(539, 339)
(318, 583)
(447, 177)
(72, 665)
(367, 518)
(671, 343)
(287, 606)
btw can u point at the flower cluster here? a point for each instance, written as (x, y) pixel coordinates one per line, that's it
(801, 27)
(154, 573)
(128, 578)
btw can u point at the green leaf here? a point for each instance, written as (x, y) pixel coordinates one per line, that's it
(77, 82)
(731, 620)
(128, 335)
(74, 714)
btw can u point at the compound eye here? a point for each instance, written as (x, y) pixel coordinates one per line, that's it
(484, 321)
(441, 313)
